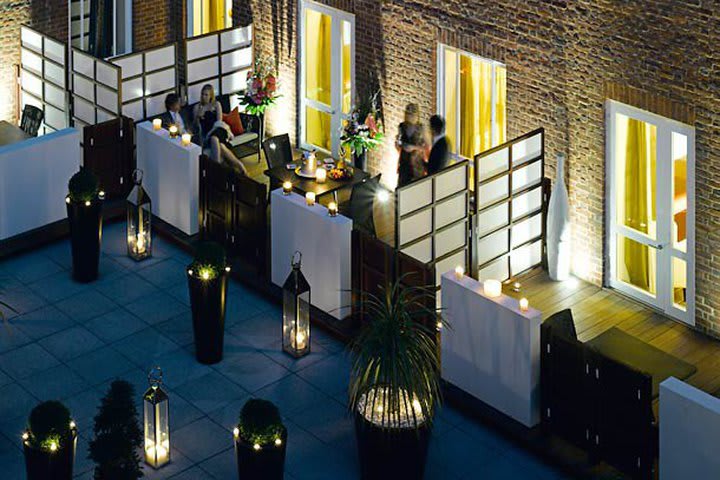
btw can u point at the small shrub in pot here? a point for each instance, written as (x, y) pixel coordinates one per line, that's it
(84, 209)
(49, 442)
(260, 441)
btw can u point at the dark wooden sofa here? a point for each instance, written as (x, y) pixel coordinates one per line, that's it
(597, 403)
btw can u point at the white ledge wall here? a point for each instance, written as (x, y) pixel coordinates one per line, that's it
(170, 176)
(491, 349)
(689, 432)
(324, 242)
(34, 176)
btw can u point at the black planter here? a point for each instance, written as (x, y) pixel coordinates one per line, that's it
(391, 452)
(85, 237)
(360, 161)
(207, 301)
(42, 464)
(267, 463)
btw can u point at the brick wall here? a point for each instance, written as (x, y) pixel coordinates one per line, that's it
(157, 23)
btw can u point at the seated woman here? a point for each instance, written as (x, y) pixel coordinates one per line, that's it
(214, 133)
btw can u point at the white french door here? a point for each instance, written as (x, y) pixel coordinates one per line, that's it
(327, 73)
(650, 176)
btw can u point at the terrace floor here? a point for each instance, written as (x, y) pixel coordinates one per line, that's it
(69, 341)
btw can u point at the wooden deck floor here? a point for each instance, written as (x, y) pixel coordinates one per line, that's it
(597, 309)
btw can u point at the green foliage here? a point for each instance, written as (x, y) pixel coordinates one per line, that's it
(210, 257)
(260, 422)
(118, 436)
(49, 423)
(83, 186)
(396, 355)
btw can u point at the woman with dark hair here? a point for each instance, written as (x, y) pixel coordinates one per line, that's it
(411, 144)
(214, 133)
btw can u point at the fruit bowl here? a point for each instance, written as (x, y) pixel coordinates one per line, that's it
(345, 173)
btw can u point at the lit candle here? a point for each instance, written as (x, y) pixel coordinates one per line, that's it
(186, 139)
(310, 199)
(156, 454)
(492, 288)
(287, 188)
(173, 131)
(157, 124)
(516, 287)
(321, 175)
(299, 341)
(311, 162)
(332, 209)
(459, 272)
(524, 305)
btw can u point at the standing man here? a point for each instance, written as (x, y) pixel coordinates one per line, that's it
(439, 157)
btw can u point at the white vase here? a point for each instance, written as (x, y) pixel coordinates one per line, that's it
(558, 227)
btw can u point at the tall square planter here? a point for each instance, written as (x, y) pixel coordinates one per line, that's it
(207, 302)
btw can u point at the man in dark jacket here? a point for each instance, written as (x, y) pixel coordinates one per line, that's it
(174, 114)
(440, 153)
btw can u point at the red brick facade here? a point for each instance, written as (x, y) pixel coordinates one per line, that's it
(564, 59)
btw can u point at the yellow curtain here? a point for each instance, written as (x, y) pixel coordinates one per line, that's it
(347, 67)
(318, 76)
(639, 204)
(451, 98)
(216, 17)
(500, 101)
(475, 105)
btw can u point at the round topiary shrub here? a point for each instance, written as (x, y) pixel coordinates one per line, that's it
(83, 186)
(260, 422)
(210, 260)
(49, 425)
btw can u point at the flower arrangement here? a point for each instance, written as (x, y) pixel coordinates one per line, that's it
(364, 130)
(261, 91)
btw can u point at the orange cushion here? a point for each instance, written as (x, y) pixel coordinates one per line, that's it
(233, 119)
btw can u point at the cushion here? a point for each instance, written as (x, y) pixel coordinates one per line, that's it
(243, 139)
(233, 119)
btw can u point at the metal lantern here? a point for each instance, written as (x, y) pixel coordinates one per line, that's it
(157, 427)
(139, 217)
(296, 311)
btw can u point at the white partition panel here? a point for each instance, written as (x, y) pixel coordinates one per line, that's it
(43, 66)
(221, 59)
(508, 227)
(432, 219)
(147, 78)
(95, 89)
(33, 180)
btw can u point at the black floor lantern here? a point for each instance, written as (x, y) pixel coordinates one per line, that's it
(296, 311)
(139, 220)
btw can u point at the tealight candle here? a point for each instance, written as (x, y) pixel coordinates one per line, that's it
(173, 131)
(492, 288)
(524, 305)
(516, 287)
(186, 139)
(310, 199)
(459, 272)
(332, 209)
(157, 124)
(321, 175)
(287, 188)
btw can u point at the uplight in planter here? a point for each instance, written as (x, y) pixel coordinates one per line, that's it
(157, 427)
(296, 311)
(49, 443)
(139, 220)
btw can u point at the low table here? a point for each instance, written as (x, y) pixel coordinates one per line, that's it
(10, 133)
(304, 185)
(625, 348)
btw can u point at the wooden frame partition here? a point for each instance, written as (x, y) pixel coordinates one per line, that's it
(95, 89)
(511, 195)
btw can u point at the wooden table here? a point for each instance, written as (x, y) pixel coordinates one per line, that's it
(303, 185)
(10, 133)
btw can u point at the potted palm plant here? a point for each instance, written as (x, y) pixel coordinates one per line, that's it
(395, 382)
(260, 441)
(49, 442)
(207, 281)
(84, 210)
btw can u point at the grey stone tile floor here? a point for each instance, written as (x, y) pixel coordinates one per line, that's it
(68, 341)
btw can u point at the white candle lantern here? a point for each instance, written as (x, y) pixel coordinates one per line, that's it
(157, 428)
(287, 188)
(310, 199)
(173, 129)
(492, 288)
(459, 272)
(321, 175)
(524, 305)
(332, 209)
(139, 220)
(186, 139)
(157, 124)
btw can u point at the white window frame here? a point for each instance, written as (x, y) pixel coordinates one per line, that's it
(441, 49)
(336, 74)
(662, 244)
(190, 8)
(128, 14)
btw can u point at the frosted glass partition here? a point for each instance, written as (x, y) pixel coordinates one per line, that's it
(147, 77)
(432, 219)
(95, 89)
(221, 59)
(508, 227)
(43, 66)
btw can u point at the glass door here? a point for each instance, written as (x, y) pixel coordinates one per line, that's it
(650, 217)
(327, 43)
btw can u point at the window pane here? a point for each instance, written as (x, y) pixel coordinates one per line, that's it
(451, 99)
(636, 264)
(209, 16)
(499, 129)
(346, 67)
(679, 276)
(635, 151)
(318, 57)
(318, 128)
(680, 200)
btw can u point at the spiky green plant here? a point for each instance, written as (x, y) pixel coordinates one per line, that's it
(395, 372)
